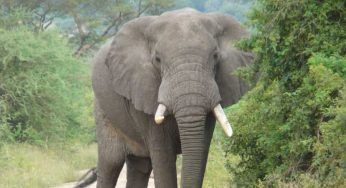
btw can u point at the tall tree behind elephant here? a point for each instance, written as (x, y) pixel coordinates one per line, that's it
(86, 22)
(159, 87)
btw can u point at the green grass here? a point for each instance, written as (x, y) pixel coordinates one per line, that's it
(216, 175)
(23, 165)
(28, 166)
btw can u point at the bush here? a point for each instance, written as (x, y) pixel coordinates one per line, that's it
(44, 91)
(294, 130)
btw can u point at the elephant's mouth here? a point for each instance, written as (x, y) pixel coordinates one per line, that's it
(217, 110)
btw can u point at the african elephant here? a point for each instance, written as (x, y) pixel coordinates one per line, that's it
(159, 87)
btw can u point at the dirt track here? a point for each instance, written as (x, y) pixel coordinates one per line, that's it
(121, 181)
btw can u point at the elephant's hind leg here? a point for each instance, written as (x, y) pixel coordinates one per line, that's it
(138, 171)
(111, 152)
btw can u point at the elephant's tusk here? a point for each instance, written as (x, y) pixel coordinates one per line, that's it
(159, 115)
(222, 119)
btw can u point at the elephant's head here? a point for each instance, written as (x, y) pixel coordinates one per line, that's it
(181, 63)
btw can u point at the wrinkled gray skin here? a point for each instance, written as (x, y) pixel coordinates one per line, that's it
(182, 59)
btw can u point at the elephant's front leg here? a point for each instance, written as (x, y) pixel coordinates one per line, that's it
(163, 157)
(165, 173)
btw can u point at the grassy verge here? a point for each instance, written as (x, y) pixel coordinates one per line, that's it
(216, 175)
(23, 165)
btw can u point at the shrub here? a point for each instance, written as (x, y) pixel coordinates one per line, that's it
(291, 126)
(44, 90)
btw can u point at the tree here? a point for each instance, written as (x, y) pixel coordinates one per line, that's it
(39, 15)
(92, 21)
(291, 126)
(43, 88)
(236, 8)
(97, 22)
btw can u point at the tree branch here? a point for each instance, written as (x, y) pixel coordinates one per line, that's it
(141, 11)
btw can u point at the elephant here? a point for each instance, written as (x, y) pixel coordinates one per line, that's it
(159, 87)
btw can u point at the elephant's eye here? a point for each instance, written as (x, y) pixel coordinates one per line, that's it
(157, 59)
(216, 56)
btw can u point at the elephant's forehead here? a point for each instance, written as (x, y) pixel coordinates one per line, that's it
(183, 23)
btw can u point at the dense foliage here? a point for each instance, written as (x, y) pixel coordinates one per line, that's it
(44, 90)
(291, 128)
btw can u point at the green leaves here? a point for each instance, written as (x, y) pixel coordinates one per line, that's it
(291, 125)
(335, 62)
(42, 87)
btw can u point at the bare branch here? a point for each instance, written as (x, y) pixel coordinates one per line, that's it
(140, 11)
(48, 23)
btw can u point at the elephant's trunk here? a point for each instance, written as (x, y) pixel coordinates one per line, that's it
(190, 105)
(189, 91)
(193, 144)
(190, 109)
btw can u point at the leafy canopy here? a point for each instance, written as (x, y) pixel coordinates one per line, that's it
(291, 126)
(44, 90)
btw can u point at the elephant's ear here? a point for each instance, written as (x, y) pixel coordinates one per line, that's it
(129, 61)
(231, 87)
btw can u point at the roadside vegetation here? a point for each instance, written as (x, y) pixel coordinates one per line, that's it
(30, 166)
(290, 128)
(46, 119)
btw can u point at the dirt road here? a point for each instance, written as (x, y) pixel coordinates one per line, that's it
(121, 181)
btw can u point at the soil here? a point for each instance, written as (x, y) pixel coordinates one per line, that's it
(120, 184)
